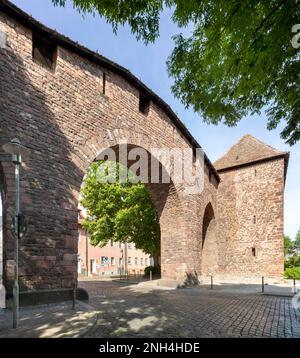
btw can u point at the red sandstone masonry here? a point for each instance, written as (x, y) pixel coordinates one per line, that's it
(255, 190)
(64, 118)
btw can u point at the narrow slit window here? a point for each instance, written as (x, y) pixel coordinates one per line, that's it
(44, 51)
(255, 172)
(253, 251)
(103, 83)
(254, 219)
(194, 155)
(144, 104)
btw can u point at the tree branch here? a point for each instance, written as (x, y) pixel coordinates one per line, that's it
(229, 18)
(268, 17)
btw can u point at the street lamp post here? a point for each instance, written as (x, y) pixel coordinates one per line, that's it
(16, 150)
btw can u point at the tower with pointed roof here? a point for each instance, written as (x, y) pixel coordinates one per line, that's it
(250, 209)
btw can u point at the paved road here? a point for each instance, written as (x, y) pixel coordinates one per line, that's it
(123, 311)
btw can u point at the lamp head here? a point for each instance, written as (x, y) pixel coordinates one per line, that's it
(16, 149)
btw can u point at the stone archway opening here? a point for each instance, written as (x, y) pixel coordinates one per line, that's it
(209, 242)
(165, 200)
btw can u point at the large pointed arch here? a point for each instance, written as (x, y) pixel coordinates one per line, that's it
(166, 197)
(209, 242)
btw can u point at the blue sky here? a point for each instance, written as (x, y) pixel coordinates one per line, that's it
(149, 64)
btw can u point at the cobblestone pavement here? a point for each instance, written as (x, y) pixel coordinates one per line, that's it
(53, 320)
(124, 312)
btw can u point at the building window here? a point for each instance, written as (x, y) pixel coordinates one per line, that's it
(120, 261)
(92, 266)
(146, 262)
(104, 261)
(144, 103)
(254, 219)
(142, 261)
(44, 51)
(136, 261)
(103, 83)
(111, 243)
(112, 261)
(253, 251)
(255, 172)
(120, 244)
(129, 260)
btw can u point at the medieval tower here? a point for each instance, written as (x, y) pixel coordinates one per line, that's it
(250, 209)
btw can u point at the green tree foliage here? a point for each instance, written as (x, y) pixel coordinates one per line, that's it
(292, 261)
(287, 245)
(238, 60)
(292, 251)
(296, 244)
(121, 212)
(141, 15)
(156, 270)
(293, 272)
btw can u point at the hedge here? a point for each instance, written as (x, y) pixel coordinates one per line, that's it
(155, 270)
(292, 272)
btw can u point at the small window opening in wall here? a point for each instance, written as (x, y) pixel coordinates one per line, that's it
(253, 251)
(144, 103)
(44, 51)
(255, 172)
(194, 155)
(254, 219)
(103, 83)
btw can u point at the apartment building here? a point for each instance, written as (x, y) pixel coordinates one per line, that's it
(113, 259)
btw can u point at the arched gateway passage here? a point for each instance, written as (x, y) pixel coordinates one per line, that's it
(209, 242)
(67, 114)
(165, 195)
(146, 169)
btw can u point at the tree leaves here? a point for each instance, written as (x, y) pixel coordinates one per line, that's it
(141, 15)
(121, 212)
(235, 65)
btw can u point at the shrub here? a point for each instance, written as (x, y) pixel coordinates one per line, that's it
(292, 261)
(155, 270)
(292, 272)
